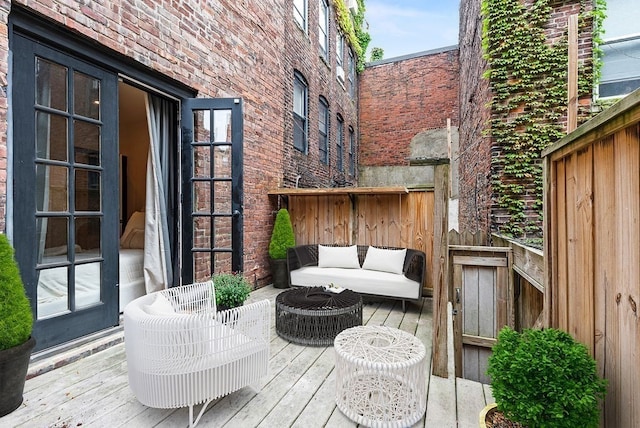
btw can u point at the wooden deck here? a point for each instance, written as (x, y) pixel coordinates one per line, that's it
(299, 392)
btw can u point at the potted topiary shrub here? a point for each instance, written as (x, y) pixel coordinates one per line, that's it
(282, 238)
(544, 378)
(16, 323)
(231, 290)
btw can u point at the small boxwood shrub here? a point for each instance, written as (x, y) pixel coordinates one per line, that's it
(231, 289)
(16, 319)
(544, 378)
(282, 236)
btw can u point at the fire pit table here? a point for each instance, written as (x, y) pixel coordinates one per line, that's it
(314, 316)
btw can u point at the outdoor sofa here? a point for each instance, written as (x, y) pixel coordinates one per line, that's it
(388, 272)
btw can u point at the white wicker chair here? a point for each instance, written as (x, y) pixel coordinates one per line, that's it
(181, 352)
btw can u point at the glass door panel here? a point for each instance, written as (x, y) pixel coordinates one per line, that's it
(65, 125)
(212, 150)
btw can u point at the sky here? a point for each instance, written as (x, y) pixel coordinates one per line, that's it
(403, 27)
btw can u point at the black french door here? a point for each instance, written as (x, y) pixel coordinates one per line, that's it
(64, 182)
(212, 138)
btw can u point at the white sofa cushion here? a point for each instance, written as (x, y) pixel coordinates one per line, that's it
(338, 257)
(359, 280)
(384, 260)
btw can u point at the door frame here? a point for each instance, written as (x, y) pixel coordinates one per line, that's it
(56, 37)
(235, 105)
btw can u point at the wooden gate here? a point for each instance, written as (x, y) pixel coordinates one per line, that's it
(482, 294)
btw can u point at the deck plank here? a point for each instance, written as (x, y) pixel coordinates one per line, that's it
(298, 392)
(470, 401)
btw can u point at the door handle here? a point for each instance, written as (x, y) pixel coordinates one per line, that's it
(457, 295)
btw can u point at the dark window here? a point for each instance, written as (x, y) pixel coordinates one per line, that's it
(339, 144)
(323, 129)
(352, 152)
(352, 74)
(300, 113)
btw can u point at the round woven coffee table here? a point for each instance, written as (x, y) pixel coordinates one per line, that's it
(380, 376)
(313, 316)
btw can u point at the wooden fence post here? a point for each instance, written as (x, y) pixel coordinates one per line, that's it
(439, 273)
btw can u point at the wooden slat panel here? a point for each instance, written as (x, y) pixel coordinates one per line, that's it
(627, 156)
(470, 297)
(566, 258)
(605, 273)
(487, 302)
(479, 261)
(457, 319)
(486, 342)
(503, 299)
(581, 300)
(394, 220)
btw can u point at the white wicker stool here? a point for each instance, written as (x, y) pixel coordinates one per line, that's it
(380, 376)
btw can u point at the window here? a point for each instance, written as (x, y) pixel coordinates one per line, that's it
(300, 13)
(352, 74)
(621, 49)
(339, 144)
(323, 128)
(339, 57)
(352, 152)
(323, 26)
(300, 113)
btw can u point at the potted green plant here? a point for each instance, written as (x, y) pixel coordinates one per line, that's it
(16, 323)
(282, 238)
(545, 378)
(231, 290)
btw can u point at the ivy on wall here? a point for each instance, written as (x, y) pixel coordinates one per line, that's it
(352, 25)
(528, 79)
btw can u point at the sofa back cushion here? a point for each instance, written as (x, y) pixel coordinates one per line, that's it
(338, 257)
(385, 260)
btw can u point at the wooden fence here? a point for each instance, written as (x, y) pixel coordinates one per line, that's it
(384, 216)
(592, 248)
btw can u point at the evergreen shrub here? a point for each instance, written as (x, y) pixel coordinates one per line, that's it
(544, 378)
(231, 289)
(16, 319)
(282, 236)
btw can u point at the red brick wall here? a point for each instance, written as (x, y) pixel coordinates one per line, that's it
(478, 209)
(224, 48)
(474, 173)
(302, 54)
(221, 49)
(399, 99)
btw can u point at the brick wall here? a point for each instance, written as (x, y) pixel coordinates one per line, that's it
(400, 98)
(474, 204)
(302, 55)
(225, 48)
(221, 49)
(478, 209)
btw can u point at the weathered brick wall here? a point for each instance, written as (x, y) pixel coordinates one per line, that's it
(478, 208)
(474, 205)
(221, 49)
(302, 54)
(399, 99)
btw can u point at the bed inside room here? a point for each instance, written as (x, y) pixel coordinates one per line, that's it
(54, 255)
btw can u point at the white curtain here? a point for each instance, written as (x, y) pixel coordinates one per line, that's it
(157, 250)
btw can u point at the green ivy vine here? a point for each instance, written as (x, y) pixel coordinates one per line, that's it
(353, 27)
(528, 79)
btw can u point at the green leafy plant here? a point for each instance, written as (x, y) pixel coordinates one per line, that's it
(527, 73)
(231, 289)
(16, 319)
(353, 27)
(282, 236)
(544, 378)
